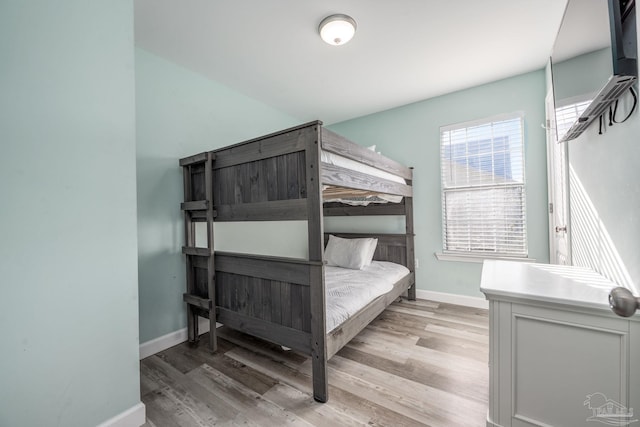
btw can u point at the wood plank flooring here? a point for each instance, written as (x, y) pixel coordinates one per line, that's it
(420, 363)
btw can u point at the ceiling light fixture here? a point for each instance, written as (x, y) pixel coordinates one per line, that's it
(337, 29)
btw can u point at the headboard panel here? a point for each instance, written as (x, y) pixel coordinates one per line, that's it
(391, 247)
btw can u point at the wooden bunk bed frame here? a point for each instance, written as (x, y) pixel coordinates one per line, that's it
(278, 177)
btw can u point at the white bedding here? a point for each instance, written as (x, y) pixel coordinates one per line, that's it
(337, 160)
(349, 290)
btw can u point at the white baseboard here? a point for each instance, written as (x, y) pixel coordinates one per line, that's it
(164, 342)
(465, 300)
(132, 417)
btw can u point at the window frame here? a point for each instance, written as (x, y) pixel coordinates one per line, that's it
(480, 256)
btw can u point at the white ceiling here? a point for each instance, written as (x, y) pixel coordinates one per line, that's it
(403, 51)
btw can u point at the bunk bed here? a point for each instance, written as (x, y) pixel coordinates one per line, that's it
(287, 175)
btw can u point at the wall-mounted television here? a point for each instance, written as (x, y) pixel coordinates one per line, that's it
(593, 63)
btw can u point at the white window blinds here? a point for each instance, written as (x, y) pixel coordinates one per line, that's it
(483, 195)
(567, 115)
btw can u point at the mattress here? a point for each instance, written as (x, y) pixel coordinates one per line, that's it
(337, 160)
(347, 291)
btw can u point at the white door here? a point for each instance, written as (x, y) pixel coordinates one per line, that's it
(558, 180)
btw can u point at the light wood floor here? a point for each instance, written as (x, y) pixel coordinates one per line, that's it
(419, 363)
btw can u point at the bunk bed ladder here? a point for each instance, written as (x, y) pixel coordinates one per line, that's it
(199, 257)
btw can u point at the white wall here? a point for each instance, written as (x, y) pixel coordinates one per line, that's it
(605, 198)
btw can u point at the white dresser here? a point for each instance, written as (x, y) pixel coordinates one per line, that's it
(558, 355)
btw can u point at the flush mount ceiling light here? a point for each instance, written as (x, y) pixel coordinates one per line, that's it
(337, 29)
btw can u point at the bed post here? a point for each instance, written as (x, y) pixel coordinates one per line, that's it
(189, 241)
(411, 256)
(316, 253)
(211, 288)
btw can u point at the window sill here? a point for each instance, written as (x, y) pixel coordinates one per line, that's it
(477, 258)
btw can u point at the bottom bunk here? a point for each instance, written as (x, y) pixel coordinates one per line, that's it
(342, 333)
(277, 299)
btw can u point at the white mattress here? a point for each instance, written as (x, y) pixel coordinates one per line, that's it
(349, 290)
(337, 160)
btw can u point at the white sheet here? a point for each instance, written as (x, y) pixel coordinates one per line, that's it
(349, 290)
(337, 160)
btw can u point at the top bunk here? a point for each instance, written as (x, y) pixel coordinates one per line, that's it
(277, 176)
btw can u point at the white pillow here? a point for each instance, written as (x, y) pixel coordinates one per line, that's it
(350, 253)
(372, 250)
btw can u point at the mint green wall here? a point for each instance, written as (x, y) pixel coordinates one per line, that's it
(69, 304)
(410, 134)
(180, 113)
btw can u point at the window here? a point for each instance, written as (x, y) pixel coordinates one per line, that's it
(483, 194)
(567, 115)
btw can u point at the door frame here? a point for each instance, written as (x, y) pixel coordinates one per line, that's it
(553, 186)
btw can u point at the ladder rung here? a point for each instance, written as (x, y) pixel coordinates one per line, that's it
(201, 216)
(198, 216)
(197, 301)
(197, 205)
(187, 250)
